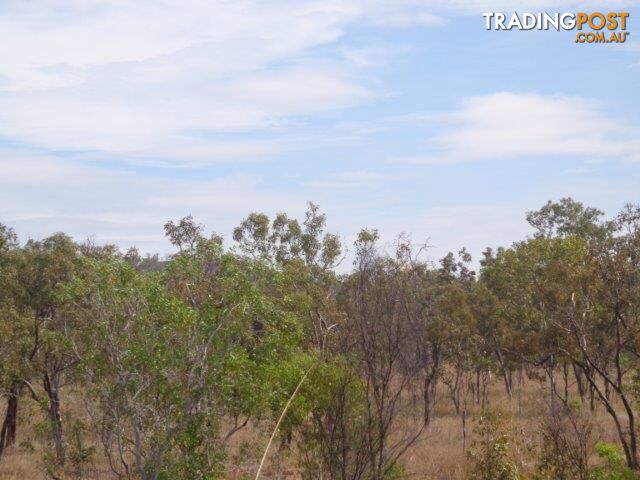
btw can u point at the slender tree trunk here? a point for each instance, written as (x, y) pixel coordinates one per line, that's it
(579, 382)
(552, 388)
(464, 429)
(429, 397)
(454, 390)
(430, 385)
(607, 391)
(55, 417)
(505, 373)
(565, 375)
(507, 383)
(9, 425)
(486, 377)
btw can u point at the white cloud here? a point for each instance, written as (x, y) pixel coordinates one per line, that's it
(162, 81)
(509, 125)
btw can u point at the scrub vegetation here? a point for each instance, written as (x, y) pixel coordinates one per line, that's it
(263, 359)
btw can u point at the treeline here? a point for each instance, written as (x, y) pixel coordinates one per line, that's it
(166, 361)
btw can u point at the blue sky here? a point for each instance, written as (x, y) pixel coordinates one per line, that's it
(404, 115)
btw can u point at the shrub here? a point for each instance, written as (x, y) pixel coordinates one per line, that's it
(491, 450)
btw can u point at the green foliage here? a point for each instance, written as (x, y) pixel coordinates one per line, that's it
(8, 238)
(80, 454)
(285, 240)
(492, 449)
(200, 453)
(569, 218)
(332, 441)
(396, 472)
(614, 464)
(170, 353)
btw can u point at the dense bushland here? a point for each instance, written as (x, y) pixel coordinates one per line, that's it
(154, 368)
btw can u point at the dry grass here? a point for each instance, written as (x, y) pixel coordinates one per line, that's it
(438, 455)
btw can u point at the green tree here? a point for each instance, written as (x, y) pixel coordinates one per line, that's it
(172, 358)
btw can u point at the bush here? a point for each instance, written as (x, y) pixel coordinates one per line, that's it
(491, 450)
(614, 465)
(566, 443)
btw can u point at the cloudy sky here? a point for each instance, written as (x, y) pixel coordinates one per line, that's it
(405, 115)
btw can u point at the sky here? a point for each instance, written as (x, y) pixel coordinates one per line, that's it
(401, 115)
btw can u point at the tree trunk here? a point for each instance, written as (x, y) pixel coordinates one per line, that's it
(9, 425)
(579, 382)
(552, 388)
(506, 375)
(464, 430)
(565, 377)
(429, 397)
(430, 385)
(55, 417)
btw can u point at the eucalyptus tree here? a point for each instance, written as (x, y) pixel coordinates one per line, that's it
(526, 282)
(285, 239)
(571, 295)
(524, 324)
(569, 218)
(14, 336)
(603, 319)
(48, 264)
(306, 256)
(41, 358)
(386, 320)
(177, 361)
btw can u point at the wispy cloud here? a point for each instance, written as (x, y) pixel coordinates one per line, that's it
(161, 81)
(509, 125)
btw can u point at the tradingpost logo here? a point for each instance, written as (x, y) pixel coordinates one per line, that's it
(594, 27)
